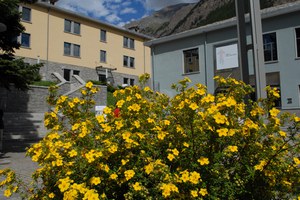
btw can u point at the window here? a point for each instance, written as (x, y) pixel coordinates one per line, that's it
(69, 72)
(26, 14)
(298, 42)
(128, 43)
(102, 56)
(72, 27)
(270, 47)
(128, 81)
(25, 39)
(71, 49)
(102, 78)
(128, 61)
(191, 60)
(103, 35)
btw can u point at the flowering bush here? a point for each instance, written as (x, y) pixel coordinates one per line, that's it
(192, 146)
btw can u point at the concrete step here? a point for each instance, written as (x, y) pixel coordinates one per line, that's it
(24, 126)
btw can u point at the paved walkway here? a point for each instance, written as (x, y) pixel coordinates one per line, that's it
(13, 157)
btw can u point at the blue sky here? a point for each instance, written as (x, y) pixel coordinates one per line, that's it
(117, 12)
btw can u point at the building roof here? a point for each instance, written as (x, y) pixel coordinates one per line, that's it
(101, 23)
(265, 13)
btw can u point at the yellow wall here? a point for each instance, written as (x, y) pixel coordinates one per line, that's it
(89, 41)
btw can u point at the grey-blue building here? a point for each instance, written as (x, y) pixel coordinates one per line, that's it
(211, 50)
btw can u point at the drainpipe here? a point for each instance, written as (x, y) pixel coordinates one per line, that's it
(47, 48)
(205, 59)
(152, 60)
(144, 58)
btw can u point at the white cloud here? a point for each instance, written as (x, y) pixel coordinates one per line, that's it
(128, 11)
(159, 4)
(112, 18)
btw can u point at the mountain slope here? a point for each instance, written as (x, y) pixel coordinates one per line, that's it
(182, 17)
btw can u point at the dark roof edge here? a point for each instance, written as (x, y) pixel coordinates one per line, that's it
(265, 13)
(56, 8)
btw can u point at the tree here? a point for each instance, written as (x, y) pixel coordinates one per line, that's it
(14, 71)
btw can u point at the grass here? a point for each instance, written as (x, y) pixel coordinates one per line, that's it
(111, 100)
(43, 83)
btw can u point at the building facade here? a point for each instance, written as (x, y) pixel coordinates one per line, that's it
(72, 44)
(211, 50)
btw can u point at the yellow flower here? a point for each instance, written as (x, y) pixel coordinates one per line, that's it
(282, 133)
(184, 176)
(194, 177)
(203, 161)
(89, 85)
(137, 186)
(129, 174)
(297, 161)
(171, 156)
(149, 168)
(166, 122)
(95, 181)
(120, 103)
(137, 124)
(113, 149)
(72, 153)
(64, 184)
(71, 104)
(219, 118)
(203, 192)
(138, 96)
(161, 135)
(51, 195)
(91, 195)
(260, 166)
(233, 148)
(7, 193)
(94, 90)
(168, 188)
(175, 152)
(106, 127)
(194, 193)
(113, 176)
(186, 144)
(119, 124)
(134, 107)
(274, 112)
(100, 119)
(194, 106)
(107, 110)
(222, 132)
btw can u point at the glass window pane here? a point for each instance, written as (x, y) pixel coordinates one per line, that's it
(131, 43)
(102, 56)
(102, 78)
(125, 80)
(76, 72)
(131, 62)
(67, 25)
(131, 81)
(191, 60)
(125, 42)
(25, 40)
(270, 47)
(76, 50)
(67, 48)
(125, 60)
(76, 28)
(298, 41)
(103, 36)
(26, 14)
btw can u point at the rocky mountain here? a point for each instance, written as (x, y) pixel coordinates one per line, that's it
(182, 17)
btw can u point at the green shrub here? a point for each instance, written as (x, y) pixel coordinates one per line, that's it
(192, 146)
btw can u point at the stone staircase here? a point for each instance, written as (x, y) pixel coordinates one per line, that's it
(24, 126)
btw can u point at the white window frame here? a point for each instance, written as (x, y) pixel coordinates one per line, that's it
(72, 27)
(72, 50)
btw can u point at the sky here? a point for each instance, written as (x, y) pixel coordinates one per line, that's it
(117, 12)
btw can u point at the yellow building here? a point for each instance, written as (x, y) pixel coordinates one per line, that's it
(69, 43)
